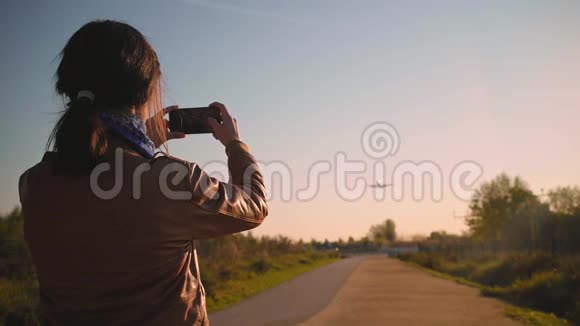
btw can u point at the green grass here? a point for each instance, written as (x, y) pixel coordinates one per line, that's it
(19, 302)
(524, 315)
(262, 276)
(532, 317)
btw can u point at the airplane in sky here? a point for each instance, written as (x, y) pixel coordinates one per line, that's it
(380, 184)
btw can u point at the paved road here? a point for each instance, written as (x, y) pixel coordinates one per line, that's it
(291, 302)
(380, 291)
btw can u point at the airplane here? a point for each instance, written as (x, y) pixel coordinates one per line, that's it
(380, 184)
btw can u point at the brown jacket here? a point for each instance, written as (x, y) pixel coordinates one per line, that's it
(124, 257)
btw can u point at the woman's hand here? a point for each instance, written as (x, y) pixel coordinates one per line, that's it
(228, 130)
(168, 134)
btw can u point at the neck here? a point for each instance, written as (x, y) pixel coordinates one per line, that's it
(129, 129)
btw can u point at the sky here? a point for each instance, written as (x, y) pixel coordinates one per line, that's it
(490, 82)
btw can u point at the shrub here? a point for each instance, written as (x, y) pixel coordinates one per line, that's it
(495, 272)
(507, 269)
(546, 291)
(226, 273)
(460, 269)
(575, 315)
(429, 260)
(261, 265)
(570, 265)
(525, 265)
(19, 302)
(536, 280)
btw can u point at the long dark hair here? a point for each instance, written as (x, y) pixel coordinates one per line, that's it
(115, 62)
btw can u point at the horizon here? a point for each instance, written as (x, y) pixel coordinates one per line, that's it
(488, 82)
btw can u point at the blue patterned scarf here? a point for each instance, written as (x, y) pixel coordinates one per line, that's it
(132, 129)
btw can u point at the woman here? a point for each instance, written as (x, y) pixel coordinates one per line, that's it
(109, 223)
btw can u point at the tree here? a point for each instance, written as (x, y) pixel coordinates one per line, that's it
(442, 235)
(384, 232)
(418, 237)
(350, 241)
(497, 202)
(12, 242)
(565, 200)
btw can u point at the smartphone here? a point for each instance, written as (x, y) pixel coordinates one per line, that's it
(193, 120)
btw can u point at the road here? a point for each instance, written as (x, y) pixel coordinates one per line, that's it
(369, 290)
(291, 302)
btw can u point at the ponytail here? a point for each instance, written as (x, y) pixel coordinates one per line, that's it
(79, 137)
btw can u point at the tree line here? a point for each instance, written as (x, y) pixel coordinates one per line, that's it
(506, 215)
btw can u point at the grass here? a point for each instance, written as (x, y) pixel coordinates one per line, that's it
(19, 302)
(525, 315)
(261, 275)
(449, 277)
(533, 317)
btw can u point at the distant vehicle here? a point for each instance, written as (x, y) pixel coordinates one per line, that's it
(380, 184)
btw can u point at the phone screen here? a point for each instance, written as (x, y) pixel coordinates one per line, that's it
(193, 120)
